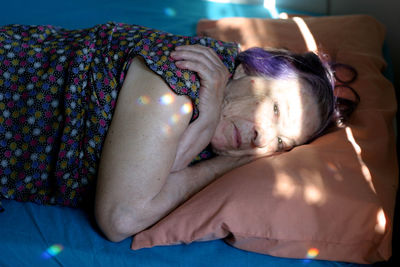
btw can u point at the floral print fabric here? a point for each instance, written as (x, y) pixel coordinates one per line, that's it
(58, 91)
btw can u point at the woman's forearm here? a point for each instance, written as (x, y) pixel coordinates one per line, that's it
(195, 138)
(183, 184)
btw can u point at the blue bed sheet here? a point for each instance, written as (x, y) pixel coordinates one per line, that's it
(33, 235)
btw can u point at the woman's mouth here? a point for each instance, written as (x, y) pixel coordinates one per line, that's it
(237, 137)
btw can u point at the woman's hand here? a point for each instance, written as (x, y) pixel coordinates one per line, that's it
(213, 78)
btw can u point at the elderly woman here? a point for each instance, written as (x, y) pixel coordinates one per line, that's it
(127, 109)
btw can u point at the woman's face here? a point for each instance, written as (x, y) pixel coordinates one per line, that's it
(261, 116)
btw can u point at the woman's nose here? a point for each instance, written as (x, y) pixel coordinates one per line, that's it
(261, 138)
(258, 140)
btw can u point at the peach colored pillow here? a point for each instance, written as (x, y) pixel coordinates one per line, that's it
(335, 195)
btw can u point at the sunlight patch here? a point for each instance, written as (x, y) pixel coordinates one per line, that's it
(364, 169)
(307, 35)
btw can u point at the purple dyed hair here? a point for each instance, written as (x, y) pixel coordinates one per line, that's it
(282, 64)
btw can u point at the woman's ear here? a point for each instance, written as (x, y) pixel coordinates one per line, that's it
(239, 72)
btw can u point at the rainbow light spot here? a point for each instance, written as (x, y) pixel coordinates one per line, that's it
(312, 253)
(166, 129)
(167, 99)
(174, 119)
(143, 100)
(170, 12)
(52, 251)
(186, 108)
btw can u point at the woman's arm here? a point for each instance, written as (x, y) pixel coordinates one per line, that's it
(136, 186)
(182, 184)
(138, 151)
(178, 187)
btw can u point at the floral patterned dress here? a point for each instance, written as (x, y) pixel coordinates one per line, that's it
(58, 91)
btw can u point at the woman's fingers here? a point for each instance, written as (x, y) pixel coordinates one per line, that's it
(203, 70)
(212, 82)
(198, 50)
(202, 60)
(200, 54)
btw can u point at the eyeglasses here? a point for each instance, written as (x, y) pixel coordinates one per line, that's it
(347, 98)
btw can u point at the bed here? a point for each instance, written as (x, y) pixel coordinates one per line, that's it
(32, 235)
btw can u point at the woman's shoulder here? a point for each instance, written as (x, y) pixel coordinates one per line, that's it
(148, 91)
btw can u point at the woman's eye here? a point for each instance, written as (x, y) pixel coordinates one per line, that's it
(280, 144)
(276, 109)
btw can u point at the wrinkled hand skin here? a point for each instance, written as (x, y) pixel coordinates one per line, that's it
(213, 76)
